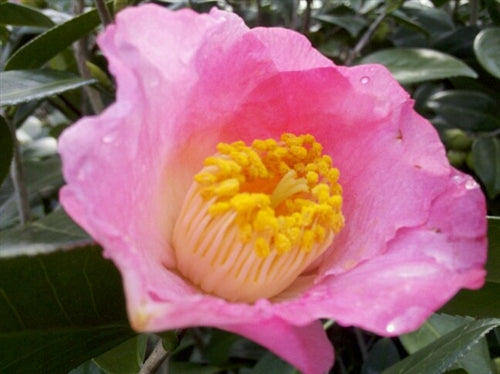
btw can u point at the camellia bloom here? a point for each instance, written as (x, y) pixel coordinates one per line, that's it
(243, 181)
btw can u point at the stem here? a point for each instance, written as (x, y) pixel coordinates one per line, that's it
(80, 52)
(328, 324)
(307, 17)
(155, 359)
(102, 9)
(365, 39)
(18, 178)
(474, 12)
(259, 12)
(361, 344)
(494, 133)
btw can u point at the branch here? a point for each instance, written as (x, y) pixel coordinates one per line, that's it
(365, 39)
(307, 17)
(155, 359)
(102, 9)
(18, 178)
(80, 52)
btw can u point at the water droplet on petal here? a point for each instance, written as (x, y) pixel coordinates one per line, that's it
(471, 184)
(154, 82)
(81, 176)
(458, 178)
(390, 328)
(364, 80)
(109, 138)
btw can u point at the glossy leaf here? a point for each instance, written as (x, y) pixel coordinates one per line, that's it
(20, 86)
(446, 350)
(53, 232)
(351, 23)
(125, 358)
(20, 15)
(415, 65)
(486, 162)
(457, 42)
(88, 367)
(270, 363)
(41, 49)
(169, 340)
(477, 360)
(493, 264)
(176, 367)
(400, 17)
(6, 147)
(60, 307)
(436, 22)
(487, 49)
(383, 354)
(466, 109)
(483, 303)
(43, 178)
(217, 351)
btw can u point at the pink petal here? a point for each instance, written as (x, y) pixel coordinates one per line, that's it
(305, 347)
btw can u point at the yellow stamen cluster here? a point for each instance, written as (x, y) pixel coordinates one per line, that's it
(271, 204)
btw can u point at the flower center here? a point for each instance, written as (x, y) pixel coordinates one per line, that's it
(257, 216)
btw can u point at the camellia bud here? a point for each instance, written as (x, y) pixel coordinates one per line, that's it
(456, 158)
(457, 139)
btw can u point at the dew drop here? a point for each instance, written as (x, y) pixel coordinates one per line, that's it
(154, 82)
(108, 138)
(390, 328)
(458, 179)
(364, 80)
(81, 176)
(471, 184)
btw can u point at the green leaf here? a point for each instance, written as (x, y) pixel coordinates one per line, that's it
(59, 308)
(217, 351)
(177, 367)
(271, 363)
(20, 15)
(45, 46)
(383, 354)
(126, 358)
(477, 360)
(53, 232)
(20, 86)
(119, 5)
(88, 367)
(169, 340)
(457, 42)
(415, 65)
(481, 303)
(6, 147)
(400, 17)
(466, 109)
(487, 50)
(43, 178)
(351, 23)
(446, 350)
(486, 162)
(493, 264)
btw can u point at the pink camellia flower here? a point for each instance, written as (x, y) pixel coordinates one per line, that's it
(243, 181)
